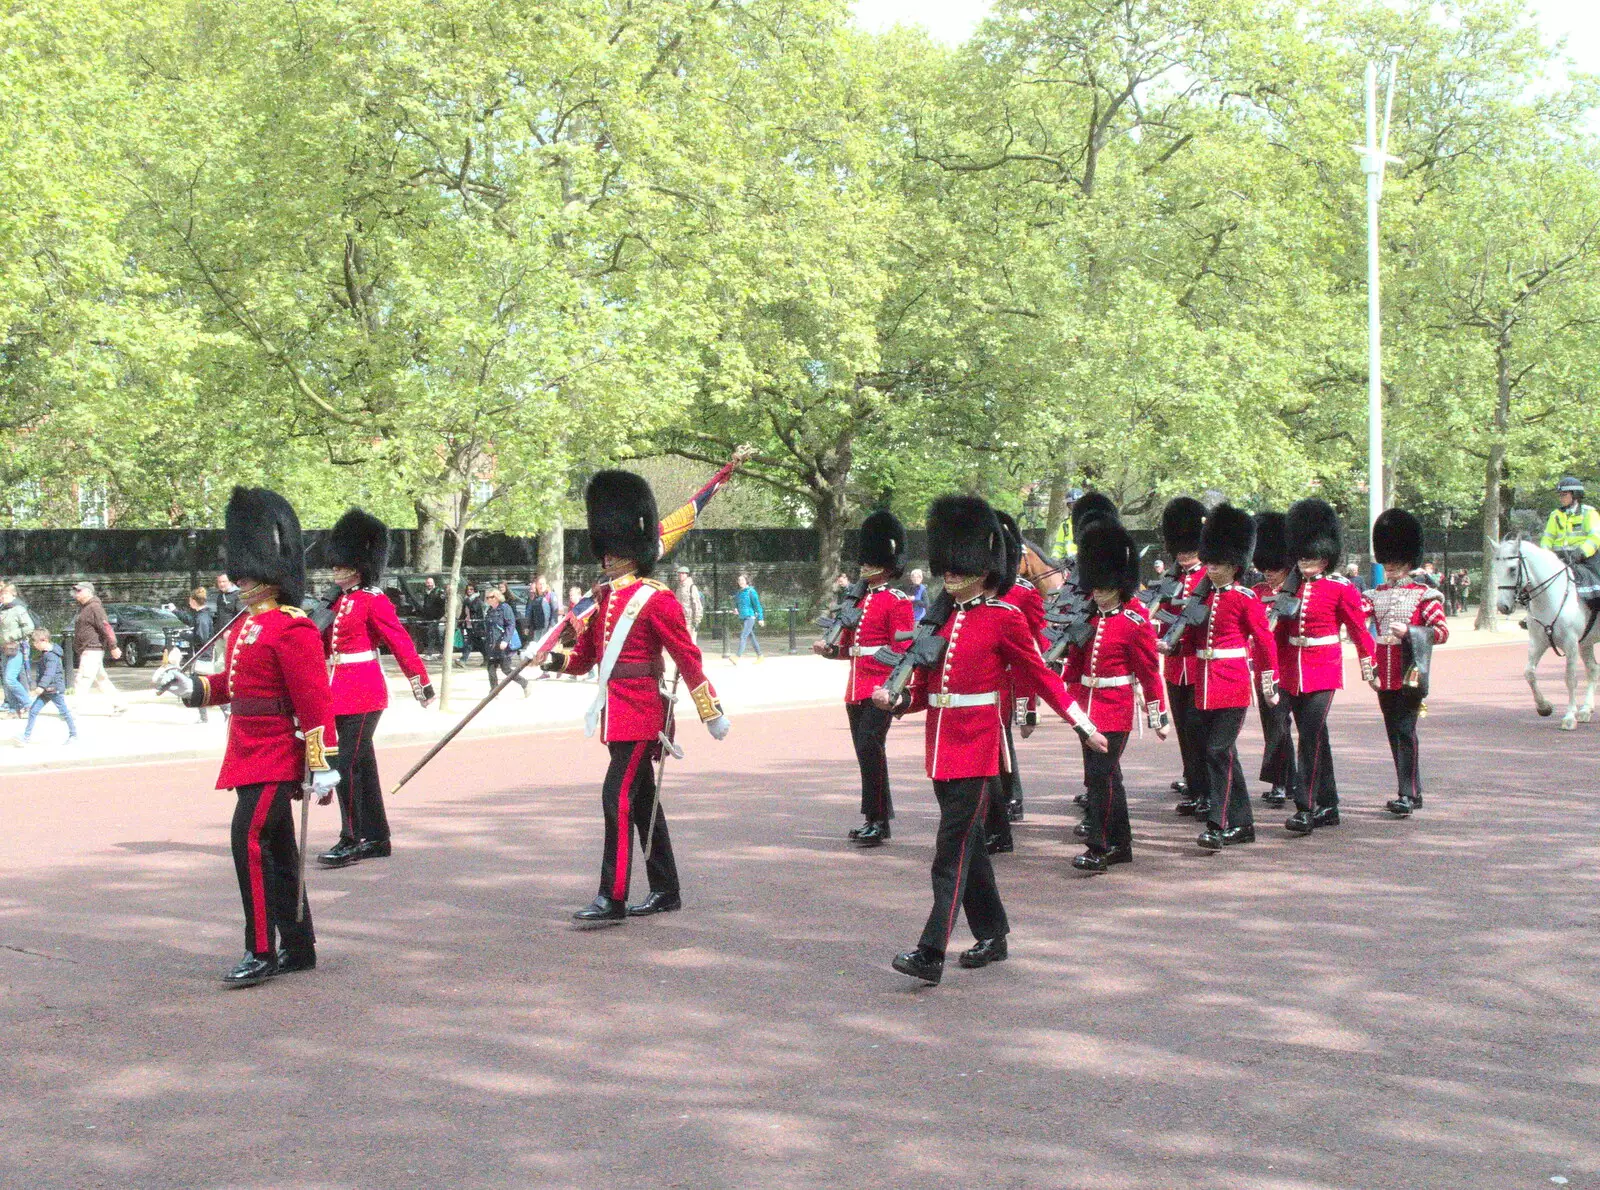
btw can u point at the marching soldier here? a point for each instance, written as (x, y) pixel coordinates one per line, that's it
(1312, 658)
(1102, 676)
(362, 617)
(1272, 560)
(884, 611)
(1401, 610)
(281, 735)
(1573, 532)
(635, 620)
(985, 637)
(1181, 522)
(1005, 797)
(1234, 635)
(1087, 508)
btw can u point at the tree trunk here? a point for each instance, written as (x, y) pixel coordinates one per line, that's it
(1493, 473)
(430, 540)
(552, 557)
(1056, 512)
(830, 521)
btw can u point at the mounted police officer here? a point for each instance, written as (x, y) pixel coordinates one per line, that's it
(1573, 532)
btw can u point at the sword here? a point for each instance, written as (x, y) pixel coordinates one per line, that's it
(668, 748)
(305, 844)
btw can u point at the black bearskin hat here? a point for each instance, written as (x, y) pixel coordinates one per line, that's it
(883, 543)
(264, 543)
(1011, 534)
(1397, 539)
(360, 541)
(1089, 508)
(1181, 520)
(1229, 536)
(1108, 558)
(1272, 543)
(1313, 531)
(622, 519)
(965, 538)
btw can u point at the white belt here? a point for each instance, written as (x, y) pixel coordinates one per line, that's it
(864, 650)
(1306, 642)
(1107, 683)
(964, 700)
(353, 658)
(1221, 654)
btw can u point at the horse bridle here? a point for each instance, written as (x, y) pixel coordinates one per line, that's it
(1524, 592)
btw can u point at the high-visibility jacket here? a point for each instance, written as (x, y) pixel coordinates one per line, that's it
(1575, 528)
(1064, 545)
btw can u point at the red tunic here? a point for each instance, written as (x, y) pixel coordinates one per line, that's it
(1025, 597)
(634, 706)
(362, 619)
(1406, 603)
(1234, 638)
(277, 680)
(884, 612)
(987, 637)
(1101, 672)
(1309, 651)
(1180, 667)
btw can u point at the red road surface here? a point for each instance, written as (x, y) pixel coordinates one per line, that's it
(1385, 1004)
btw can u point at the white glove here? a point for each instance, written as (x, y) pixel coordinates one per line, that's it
(170, 677)
(323, 783)
(718, 727)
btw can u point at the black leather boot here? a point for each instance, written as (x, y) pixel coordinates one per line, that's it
(920, 964)
(1180, 786)
(602, 911)
(1326, 816)
(1275, 796)
(1210, 839)
(1081, 800)
(373, 849)
(873, 834)
(1081, 831)
(1300, 823)
(1400, 807)
(988, 950)
(1193, 808)
(1238, 834)
(1091, 861)
(656, 902)
(252, 969)
(855, 831)
(1014, 810)
(296, 960)
(997, 844)
(341, 855)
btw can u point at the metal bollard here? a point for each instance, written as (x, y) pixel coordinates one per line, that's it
(722, 630)
(793, 611)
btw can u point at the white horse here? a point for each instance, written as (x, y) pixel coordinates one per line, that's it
(1528, 575)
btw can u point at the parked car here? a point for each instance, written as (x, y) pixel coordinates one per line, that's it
(143, 632)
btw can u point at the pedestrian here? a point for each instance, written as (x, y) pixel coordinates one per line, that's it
(92, 639)
(884, 611)
(961, 695)
(689, 598)
(637, 620)
(1102, 675)
(47, 678)
(1312, 658)
(470, 622)
(227, 600)
(500, 640)
(747, 603)
(1233, 640)
(16, 628)
(1277, 756)
(1402, 611)
(202, 627)
(432, 611)
(1181, 522)
(1352, 574)
(363, 617)
(544, 609)
(282, 740)
(919, 596)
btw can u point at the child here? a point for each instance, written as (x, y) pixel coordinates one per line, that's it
(49, 675)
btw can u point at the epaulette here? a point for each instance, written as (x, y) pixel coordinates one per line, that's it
(1338, 578)
(291, 610)
(898, 593)
(656, 583)
(1022, 582)
(1134, 616)
(1002, 603)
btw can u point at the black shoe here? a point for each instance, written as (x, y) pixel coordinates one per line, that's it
(919, 964)
(988, 950)
(1014, 810)
(1416, 801)
(1189, 809)
(373, 849)
(1275, 796)
(997, 844)
(873, 834)
(1210, 839)
(252, 969)
(1081, 800)
(296, 960)
(1400, 807)
(1238, 834)
(341, 855)
(1300, 823)
(855, 831)
(1091, 861)
(602, 911)
(656, 902)
(1180, 786)
(1326, 816)
(1081, 831)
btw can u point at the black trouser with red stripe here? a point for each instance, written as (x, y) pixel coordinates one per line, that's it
(1005, 787)
(1180, 700)
(869, 732)
(268, 864)
(963, 877)
(1313, 770)
(1400, 711)
(1217, 733)
(1107, 820)
(628, 796)
(361, 813)
(1277, 757)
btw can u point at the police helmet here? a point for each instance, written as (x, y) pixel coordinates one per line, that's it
(1570, 483)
